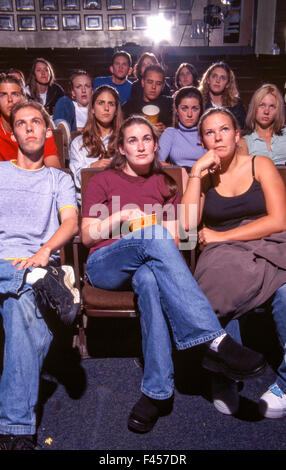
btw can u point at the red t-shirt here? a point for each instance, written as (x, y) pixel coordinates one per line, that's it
(9, 148)
(115, 189)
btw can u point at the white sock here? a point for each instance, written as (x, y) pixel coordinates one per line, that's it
(214, 344)
(35, 275)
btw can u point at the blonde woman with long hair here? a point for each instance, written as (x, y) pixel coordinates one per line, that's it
(265, 132)
(96, 145)
(218, 87)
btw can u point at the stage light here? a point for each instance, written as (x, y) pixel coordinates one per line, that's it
(158, 28)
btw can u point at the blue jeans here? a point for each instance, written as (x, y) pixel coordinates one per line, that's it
(279, 317)
(27, 341)
(169, 300)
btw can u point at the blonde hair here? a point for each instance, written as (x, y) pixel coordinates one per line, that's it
(230, 94)
(259, 94)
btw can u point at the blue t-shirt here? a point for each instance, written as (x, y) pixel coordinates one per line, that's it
(124, 90)
(30, 204)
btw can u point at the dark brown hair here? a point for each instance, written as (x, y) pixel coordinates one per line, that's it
(119, 160)
(32, 78)
(191, 69)
(154, 68)
(138, 65)
(91, 133)
(187, 92)
(123, 54)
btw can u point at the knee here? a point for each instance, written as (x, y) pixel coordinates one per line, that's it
(144, 280)
(280, 294)
(160, 238)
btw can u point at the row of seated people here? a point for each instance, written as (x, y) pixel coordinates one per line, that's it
(241, 217)
(262, 129)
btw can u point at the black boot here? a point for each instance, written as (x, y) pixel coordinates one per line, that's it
(235, 361)
(146, 412)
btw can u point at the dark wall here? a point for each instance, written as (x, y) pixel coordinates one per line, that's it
(280, 25)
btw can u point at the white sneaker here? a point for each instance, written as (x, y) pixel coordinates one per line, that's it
(225, 395)
(272, 403)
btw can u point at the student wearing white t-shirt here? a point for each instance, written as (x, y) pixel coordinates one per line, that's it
(74, 110)
(97, 143)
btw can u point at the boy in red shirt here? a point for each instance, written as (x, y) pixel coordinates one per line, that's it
(11, 92)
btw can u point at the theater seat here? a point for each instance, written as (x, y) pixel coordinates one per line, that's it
(99, 302)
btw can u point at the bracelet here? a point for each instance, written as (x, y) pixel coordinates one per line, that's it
(194, 176)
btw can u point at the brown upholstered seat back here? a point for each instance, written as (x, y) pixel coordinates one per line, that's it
(100, 302)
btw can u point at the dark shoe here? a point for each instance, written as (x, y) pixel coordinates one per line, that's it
(235, 361)
(58, 291)
(146, 412)
(21, 442)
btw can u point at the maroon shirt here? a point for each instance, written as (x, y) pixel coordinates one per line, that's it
(115, 190)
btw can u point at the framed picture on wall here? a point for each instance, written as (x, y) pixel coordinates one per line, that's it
(25, 5)
(185, 19)
(71, 22)
(93, 22)
(7, 23)
(49, 22)
(115, 4)
(141, 4)
(26, 22)
(6, 5)
(167, 4)
(91, 5)
(49, 5)
(185, 5)
(139, 21)
(116, 22)
(70, 5)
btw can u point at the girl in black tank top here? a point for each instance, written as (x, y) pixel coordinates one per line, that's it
(242, 265)
(224, 213)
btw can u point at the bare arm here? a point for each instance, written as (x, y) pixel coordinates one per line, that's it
(275, 198)
(52, 160)
(94, 230)
(67, 230)
(196, 185)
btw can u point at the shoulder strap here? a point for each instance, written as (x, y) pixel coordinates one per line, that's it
(252, 166)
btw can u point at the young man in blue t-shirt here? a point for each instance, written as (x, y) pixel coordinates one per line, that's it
(38, 215)
(121, 68)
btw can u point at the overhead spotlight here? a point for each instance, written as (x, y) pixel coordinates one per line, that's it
(158, 28)
(226, 2)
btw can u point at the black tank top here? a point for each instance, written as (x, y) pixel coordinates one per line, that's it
(224, 213)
